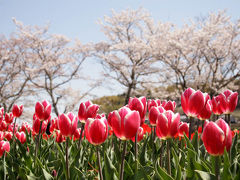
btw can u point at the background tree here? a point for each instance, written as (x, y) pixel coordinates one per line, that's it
(127, 55)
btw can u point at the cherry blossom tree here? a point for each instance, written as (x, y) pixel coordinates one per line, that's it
(126, 55)
(52, 62)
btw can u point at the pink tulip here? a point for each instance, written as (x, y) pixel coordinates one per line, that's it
(17, 110)
(21, 136)
(77, 133)
(193, 102)
(37, 123)
(153, 114)
(43, 110)
(167, 124)
(216, 137)
(59, 137)
(140, 105)
(8, 135)
(183, 128)
(3, 126)
(140, 135)
(228, 101)
(206, 112)
(25, 126)
(67, 124)
(1, 135)
(96, 130)
(1, 114)
(153, 103)
(87, 110)
(9, 118)
(216, 106)
(169, 105)
(4, 146)
(125, 123)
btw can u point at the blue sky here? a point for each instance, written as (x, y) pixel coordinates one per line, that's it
(77, 18)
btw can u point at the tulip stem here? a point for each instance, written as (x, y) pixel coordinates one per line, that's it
(190, 127)
(198, 124)
(99, 163)
(136, 146)
(168, 156)
(4, 166)
(67, 168)
(37, 141)
(217, 168)
(81, 133)
(123, 157)
(229, 120)
(14, 146)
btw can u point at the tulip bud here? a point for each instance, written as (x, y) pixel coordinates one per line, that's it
(4, 146)
(140, 134)
(43, 110)
(125, 123)
(67, 124)
(96, 130)
(87, 110)
(167, 124)
(21, 136)
(183, 128)
(140, 105)
(17, 110)
(153, 114)
(216, 137)
(228, 101)
(169, 105)
(9, 118)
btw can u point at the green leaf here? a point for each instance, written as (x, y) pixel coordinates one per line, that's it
(205, 175)
(177, 166)
(109, 169)
(47, 175)
(233, 151)
(195, 141)
(189, 144)
(161, 173)
(62, 158)
(226, 174)
(143, 154)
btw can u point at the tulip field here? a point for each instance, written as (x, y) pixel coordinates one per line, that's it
(144, 139)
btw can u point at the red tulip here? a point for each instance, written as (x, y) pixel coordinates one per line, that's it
(37, 123)
(1, 114)
(193, 102)
(140, 105)
(8, 135)
(67, 124)
(1, 135)
(153, 103)
(228, 101)
(59, 137)
(77, 133)
(43, 110)
(183, 128)
(3, 126)
(9, 118)
(216, 106)
(53, 125)
(4, 146)
(87, 110)
(206, 112)
(17, 110)
(11, 127)
(153, 114)
(140, 135)
(125, 123)
(96, 130)
(25, 126)
(169, 105)
(167, 124)
(216, 137)
(21, 136)
(146, 129)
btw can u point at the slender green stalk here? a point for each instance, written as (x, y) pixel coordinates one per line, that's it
(229, 120)
(197, 124)
(203, 125)
(99, 163)
(123, 157)
(4, 166)
(217, 175)
(161, 152)
(136, 146)
(168, 156)
(37, 142)
(80, 139)
(67, 167)
(14, 143)
(190, 127)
